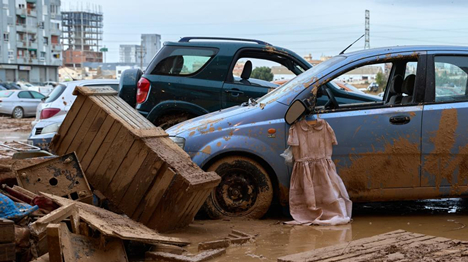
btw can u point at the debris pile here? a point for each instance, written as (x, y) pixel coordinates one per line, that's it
(131, 162)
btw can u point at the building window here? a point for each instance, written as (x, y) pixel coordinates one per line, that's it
(42, 57)
(46, 40)
(10, 54)
(5, 37)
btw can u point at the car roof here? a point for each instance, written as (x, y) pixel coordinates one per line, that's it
(401, 49)
(236, 44)
(93, 81)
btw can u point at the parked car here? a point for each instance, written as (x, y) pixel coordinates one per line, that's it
(10, 86)
(52, 111)
(409, 144)
(196, 76)
(19, 103)
(373, 87)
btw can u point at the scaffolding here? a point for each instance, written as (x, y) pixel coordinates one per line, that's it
(82, 35)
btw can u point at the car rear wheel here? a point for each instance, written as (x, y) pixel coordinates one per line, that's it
(245, 189)
(17, 112)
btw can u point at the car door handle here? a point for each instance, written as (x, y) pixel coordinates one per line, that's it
(234, 92)
(400, 120)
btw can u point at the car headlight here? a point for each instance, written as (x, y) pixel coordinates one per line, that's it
(180, 141)
(53, 128)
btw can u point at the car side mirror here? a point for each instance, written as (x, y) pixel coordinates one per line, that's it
(296, 110)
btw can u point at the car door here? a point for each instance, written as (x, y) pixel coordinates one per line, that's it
(243, 83)
(444, 129)
(378, 151)
(27, 102)
(37, 99)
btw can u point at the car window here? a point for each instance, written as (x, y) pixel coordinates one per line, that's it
(6, 93)
(24, 94)
(451, 74)
(37, 95)
(260, 72)
(58, 90)
(359, 85)
(181, 60)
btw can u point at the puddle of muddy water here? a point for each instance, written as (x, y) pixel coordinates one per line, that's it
(444, 218)
(6, 136)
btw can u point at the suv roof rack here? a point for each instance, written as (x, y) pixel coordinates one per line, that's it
(188, 38)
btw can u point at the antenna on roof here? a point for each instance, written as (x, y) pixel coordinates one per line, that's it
(342, 52)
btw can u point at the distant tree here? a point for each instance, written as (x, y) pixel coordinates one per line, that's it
(263, 73)
(381, 80)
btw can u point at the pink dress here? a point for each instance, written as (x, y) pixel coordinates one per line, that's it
(317, 194)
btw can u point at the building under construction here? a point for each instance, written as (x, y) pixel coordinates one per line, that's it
(82, 36)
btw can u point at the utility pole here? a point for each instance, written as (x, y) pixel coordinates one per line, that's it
(367, 31)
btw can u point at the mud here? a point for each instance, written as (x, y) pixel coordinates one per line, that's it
(444, 218)
(382, 169)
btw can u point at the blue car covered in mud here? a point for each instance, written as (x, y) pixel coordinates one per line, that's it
(410, 143)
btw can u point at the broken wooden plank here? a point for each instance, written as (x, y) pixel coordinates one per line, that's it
(168, 249)
(7, 231)
(78, 248)
(114, 225)
(204, 256)
(40, 225)
(217, 244)
(392, 246)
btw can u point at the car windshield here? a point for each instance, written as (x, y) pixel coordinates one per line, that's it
(6, 93)
(302, 79)
(58, 90)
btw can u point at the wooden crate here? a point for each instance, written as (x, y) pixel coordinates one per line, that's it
(132, 162)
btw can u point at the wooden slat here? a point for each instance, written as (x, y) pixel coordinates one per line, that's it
(114, 157)
(117, 112)
(101, 153)
(127, 172)
(155, 193)
(143, 179)
(67, 122)
(74, 127)
(143, 121)
(91, 134)
(124, 112)
(95, 90)
(83, 130)
(88, 156)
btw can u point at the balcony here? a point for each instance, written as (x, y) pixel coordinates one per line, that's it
(34, 61)
(21, 11)
(56, 62)
(55, 31)
(32, 45)
(21, 27)
(20, 44)
(56, 47)
(22, 60)
(32, 13)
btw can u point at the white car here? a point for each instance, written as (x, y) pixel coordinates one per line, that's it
(51, 113)
(61, 98)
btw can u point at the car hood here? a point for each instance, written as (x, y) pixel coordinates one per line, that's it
(224, 119)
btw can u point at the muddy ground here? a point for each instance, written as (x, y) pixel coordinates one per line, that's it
(444, 218)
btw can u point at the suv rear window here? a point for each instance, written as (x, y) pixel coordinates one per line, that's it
(58, 90)
(181, 61)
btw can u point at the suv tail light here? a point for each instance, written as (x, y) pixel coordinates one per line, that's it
(49, 112)
(143, 87)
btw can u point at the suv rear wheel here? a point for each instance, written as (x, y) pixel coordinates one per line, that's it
(245, 189)
(169, 120)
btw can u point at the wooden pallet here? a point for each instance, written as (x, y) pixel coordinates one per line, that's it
(131, 162)
(397, 245)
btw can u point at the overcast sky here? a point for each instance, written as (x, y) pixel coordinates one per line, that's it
(304, 26)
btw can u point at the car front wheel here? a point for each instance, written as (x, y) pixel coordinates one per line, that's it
(245, 189)
(17, 112)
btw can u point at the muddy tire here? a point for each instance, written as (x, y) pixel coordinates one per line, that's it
(17, 113)
(169, 120)
(245, 190)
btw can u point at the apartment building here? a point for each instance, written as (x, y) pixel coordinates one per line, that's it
(30, 48)
(150, 43)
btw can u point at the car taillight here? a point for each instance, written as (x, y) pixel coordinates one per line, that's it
(143, 87)
(49, 112)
